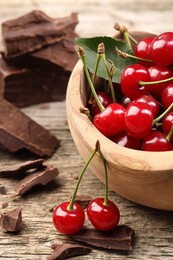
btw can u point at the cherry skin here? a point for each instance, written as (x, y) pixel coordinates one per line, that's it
(68, 221)
(104, 98)
(111, 120)
(130, 78)
(167, 96)
(162, 49)
(138, 120)
(143, 50)
(159, 73)
(152, 102)
(156, 142)
(125, 140)
(103, 217)
(167, 123)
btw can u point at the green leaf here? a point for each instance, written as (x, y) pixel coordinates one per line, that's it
(90, 46)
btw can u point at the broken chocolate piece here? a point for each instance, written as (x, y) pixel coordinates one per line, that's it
(68, 250)
(40, 177)
(22, 167)
(83, 200)
(33, 31)
(24, 86)
(4, 205)
(120, 238)
(18, 131)
(2, 189)
(12, 220)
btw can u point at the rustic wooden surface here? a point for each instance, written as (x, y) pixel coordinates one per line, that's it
(153, 228)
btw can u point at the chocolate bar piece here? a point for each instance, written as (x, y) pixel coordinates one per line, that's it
(12, 220)
(19, 168)
(40, 177)
(33, 31)
(24, 86)
(2, 189)
(120, 238)
(18, 132)
(65, 251)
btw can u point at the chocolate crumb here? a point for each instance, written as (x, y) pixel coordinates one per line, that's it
(19, 168)
(2, 189)
(12, 220)
(120, 238)
(4, 205)
(40, 177)
(64, 251)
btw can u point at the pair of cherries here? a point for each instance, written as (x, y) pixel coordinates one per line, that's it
(145, 91)
(69, 217)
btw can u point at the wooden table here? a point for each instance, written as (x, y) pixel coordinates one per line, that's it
(153, 228)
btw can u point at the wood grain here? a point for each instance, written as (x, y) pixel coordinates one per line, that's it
(154, 228)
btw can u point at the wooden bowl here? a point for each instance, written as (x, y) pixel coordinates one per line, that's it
(143, 177)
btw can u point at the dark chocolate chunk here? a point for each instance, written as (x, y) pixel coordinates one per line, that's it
(119, 238)
(83, 200)
(18, 131)
(26, 86)
(33, 31)
(2, 189)
(22, 167)
(12, 220)
(39, 177)
(65, 251)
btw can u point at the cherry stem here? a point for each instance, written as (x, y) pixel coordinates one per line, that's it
(82, 57)
(72, 200)
(106, 179)
(85, 110)
(143, 83)
(168, 137)
(157, 119)
(127, 55)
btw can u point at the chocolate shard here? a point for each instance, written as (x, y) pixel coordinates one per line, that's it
(65, 251)
(119, 238)
(2, 189)
(40, 177)
(4, 204)
(83, 200)
(20, 168)
(18, 131)
(33, 31)
(25, 86)
(12, 220)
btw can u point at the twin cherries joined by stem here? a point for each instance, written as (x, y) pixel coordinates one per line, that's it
(69, 217)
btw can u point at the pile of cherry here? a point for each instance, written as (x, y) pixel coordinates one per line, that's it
(142, 116)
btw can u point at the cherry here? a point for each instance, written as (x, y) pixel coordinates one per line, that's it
(142, 50)
(125, 140)
(152, 102)
(130, 78)
(156, 141)
(158, 73)
(167, 123)
(111, 120)
(68, 221)
(162, 49)
(167, 96)
(104, 98)
(138, 120)
(103, 217)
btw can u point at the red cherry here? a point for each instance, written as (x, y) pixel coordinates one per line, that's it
(158, 73)
(162, 49)
(111, 120)
(156, 141)
(138, 120)
(125, 140)
(103, 217)
(104, 98)
(152, 102)
(68, 221)
(130, 78)
(167, 123)
(167, 96)
(142, 50)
